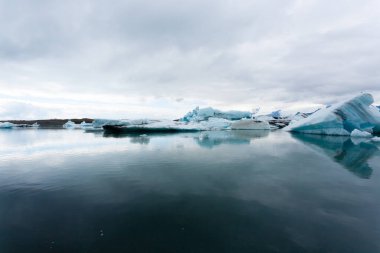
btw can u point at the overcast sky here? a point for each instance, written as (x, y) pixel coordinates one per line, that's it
(144, 58)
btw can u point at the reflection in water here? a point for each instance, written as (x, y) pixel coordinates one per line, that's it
(140, 139)
(205, 139)
(209, 139)
(66, 191)
(352, 156)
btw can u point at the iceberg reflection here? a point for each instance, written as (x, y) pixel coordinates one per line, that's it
(209, 139)
(205, 139)
(352, 156)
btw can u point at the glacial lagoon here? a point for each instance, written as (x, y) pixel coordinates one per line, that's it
(221, 191)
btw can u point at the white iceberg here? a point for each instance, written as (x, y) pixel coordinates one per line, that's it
(341, 118)
(70, 125)
(375, 139)
(85, 125)
(360, 134)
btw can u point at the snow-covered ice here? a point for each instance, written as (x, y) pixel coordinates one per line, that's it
(341, 118)
(375, 139)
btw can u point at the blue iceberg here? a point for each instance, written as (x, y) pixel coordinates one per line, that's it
(6, 125)
(341, 118)
(205, 113)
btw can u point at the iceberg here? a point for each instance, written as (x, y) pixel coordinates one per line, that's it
(375, 139)
(360, 134)
(205, 119)
(85, 125)
(7, 125)
(276, 114)
(203, 114)
(70, 125)
(209, 124)
(99, 123)
(341, 118)
(167, 126)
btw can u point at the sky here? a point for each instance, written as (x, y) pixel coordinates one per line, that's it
(160, 59)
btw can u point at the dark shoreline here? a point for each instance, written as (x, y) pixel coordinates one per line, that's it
(49, 123)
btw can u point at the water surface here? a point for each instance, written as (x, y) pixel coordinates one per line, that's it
(231, 191)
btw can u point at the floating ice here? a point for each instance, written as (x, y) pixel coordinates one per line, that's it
(85, 125)
(203, 114)
(197, 120)
(170, 126)
(70, 125)
(360, 134)
(7, 125)
(375, 139)
(341, 118)
(99, 123)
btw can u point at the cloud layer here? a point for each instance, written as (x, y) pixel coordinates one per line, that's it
(139, 58)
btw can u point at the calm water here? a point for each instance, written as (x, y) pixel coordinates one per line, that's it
(242, 191)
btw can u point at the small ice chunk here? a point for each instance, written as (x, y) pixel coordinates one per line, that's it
(85, 125)
(360, 134)
(375, 139)
(70, 125)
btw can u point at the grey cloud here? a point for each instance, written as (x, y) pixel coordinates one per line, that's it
(226, 51)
